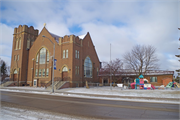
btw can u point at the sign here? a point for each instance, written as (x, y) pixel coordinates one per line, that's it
(35, 83)
(55, 64)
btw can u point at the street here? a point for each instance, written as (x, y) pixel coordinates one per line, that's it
(96, 108)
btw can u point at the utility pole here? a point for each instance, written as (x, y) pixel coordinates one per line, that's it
(53, 62)
(179, 61)
(110, 69)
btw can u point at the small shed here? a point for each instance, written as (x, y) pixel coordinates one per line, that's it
(165, 81)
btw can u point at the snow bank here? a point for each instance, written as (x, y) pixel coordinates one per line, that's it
(166, 93)
(73, 92)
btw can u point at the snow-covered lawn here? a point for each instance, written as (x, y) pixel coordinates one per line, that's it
(96, 93)
(14, 112)
(166, 93)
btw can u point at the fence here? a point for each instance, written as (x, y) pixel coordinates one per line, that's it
(93, 84)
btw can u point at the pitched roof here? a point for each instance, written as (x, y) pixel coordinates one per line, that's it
(56, 37)
(82, 36)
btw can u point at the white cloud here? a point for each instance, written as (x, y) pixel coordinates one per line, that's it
(6, 34)
(56, 28)
(123, 23)
(104, 35)
(6, 38)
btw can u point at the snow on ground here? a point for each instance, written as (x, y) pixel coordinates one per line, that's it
(27, 88)
(166, 93)
(11, 111)
(116, 91)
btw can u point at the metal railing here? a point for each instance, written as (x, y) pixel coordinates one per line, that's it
(93, 84)
(60, 84)
(48, 84)
(66, 79)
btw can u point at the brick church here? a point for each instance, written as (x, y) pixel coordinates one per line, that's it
(32, 58)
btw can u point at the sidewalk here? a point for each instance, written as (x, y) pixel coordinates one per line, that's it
(72, 92)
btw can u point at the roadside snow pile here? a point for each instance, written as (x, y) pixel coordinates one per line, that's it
(166, 93)
(157, 93)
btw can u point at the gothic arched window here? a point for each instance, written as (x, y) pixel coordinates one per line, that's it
(15, 71)
(28, 43)
(20, 43)
(16, 45)
(42, 54)
(88, 67)
(42, 60)
(64, 69)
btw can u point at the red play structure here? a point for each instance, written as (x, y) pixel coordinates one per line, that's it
(141, 82)
(133, 86)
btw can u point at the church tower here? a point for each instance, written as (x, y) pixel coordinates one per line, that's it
(23, 39)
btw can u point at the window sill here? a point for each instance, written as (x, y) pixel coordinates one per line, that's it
(88, 77)
(42, 77)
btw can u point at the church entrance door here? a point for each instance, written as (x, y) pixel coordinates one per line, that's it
(64, 74)
(15, 75)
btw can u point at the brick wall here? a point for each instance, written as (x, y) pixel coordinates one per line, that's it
(161, 79)
(22, 33)
(70, 43)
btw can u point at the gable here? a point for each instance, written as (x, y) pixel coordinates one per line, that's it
(87, 42)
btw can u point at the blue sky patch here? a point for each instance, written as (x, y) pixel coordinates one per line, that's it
(75, 29)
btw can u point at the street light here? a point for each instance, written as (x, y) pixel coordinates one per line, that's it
(53, 62)
(110, 70)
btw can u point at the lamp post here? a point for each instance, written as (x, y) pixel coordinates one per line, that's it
(53, 62)
(110, 70)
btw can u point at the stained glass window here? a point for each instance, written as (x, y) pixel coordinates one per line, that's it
(66, 53)
(42, 58)
(88, 67)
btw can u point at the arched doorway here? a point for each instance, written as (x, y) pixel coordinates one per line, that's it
(64, 73)
(15, 75)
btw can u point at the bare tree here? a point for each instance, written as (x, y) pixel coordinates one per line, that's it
(141, 58)
(4, 69)
(115, 67)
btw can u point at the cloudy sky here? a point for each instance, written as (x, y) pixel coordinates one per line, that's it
(121, 23)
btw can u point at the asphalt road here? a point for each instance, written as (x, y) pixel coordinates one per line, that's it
(94, 108)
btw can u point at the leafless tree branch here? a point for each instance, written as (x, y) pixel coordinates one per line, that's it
(116, 68)
(141, 58)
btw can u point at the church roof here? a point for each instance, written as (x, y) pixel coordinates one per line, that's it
(82, 36)
(56, 37)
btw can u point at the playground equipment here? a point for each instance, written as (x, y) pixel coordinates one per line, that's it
(173, 84)
(133, 85)
(161, 87)
(142, 83)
